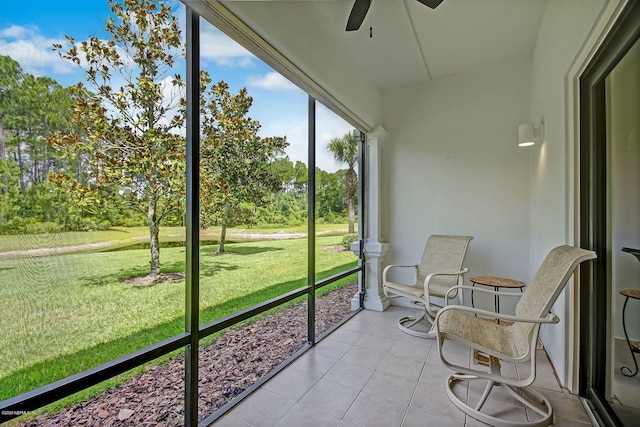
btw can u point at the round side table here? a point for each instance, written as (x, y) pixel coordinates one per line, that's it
(634, 346)
(496, 283)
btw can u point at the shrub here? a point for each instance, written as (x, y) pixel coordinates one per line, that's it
(42, 228)
(348, 239)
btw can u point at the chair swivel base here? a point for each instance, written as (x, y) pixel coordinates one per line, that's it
(407, 322)
(542, 408)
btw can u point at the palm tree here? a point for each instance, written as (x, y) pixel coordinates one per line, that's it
(345, 150)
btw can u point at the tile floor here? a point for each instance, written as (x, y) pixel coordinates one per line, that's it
(626, 390)
(369, 373)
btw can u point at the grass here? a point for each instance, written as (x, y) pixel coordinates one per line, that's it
(123, 236)
(70, 312)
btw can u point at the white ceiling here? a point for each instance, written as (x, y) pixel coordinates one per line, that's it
(411, 43)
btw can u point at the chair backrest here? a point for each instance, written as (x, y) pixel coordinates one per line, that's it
(443, 254)
(548, 282)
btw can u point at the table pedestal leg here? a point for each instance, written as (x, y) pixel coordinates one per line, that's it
(628, 372)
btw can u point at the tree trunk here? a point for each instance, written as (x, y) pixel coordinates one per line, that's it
(223, 237)
(45, 165)
(3, 156)
(3, 149)
(80, 177)
(352, 215)
(33, 171)
(23, 190)
(352, 187)
(154, 241)
(45, 154)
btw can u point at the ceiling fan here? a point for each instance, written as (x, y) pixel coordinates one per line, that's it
(361, 7)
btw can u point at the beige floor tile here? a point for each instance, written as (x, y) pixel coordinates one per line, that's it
(391, 386)
(364, 357)
(405, 337)
(457, 358)
(476, 388)
(357, 324)
(435, 374)
(418, 418)
(314, 363)
(370, 410)
(566, 422)
(627, 395)
(565, 405)
(229, 421)
(434, 399)
(406, 368)
(370, 373)
(410, 351)
(345, 336)
(331, 397)
(546, 378)
(291, 383)
(262, 409)
(345, 423)
(331, 348)
(455, 346)
(374, 342)
(302, 415)
(348, 374)
(500, 410)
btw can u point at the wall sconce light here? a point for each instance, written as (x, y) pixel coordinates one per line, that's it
(529, 134)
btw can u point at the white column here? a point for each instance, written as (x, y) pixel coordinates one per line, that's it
(374, 246)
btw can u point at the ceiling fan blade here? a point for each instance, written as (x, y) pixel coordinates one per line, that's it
(358, 13)
(431, 3)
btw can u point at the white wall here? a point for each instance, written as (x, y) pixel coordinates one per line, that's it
(563, 31)
(451, 165)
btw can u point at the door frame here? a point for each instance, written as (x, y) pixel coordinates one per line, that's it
(594, 216)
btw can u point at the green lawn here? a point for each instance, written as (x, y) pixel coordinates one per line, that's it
(63, 314)
(122, 236)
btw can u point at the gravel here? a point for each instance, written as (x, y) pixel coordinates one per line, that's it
(228, 365)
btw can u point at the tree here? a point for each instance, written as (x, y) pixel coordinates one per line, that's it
(40, 108)
(345, 150)
(236, 175)
(10, 75)
(131, 130)
(330, 195)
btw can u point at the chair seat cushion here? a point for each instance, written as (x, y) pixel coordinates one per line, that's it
(496, 339)
(417, 291)
(411, 292)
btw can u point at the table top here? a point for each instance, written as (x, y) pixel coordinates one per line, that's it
(633, 293)
(498, 282)
(632, 251)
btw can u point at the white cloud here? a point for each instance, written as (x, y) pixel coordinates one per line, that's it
(217, 47)
(32, 50)
(270, 81)
(14, 32)
(295, 128)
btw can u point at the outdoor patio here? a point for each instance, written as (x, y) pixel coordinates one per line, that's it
(369, 373)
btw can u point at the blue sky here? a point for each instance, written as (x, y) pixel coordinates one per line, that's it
(27, 34)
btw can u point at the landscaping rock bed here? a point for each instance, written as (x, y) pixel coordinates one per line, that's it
(228, 365)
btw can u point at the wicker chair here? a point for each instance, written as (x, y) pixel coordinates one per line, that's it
(439, 270)
(512, 341)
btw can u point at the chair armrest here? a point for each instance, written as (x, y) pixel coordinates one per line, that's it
(389, 267)
(486, 291)
(549, 318)
(449, 273)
